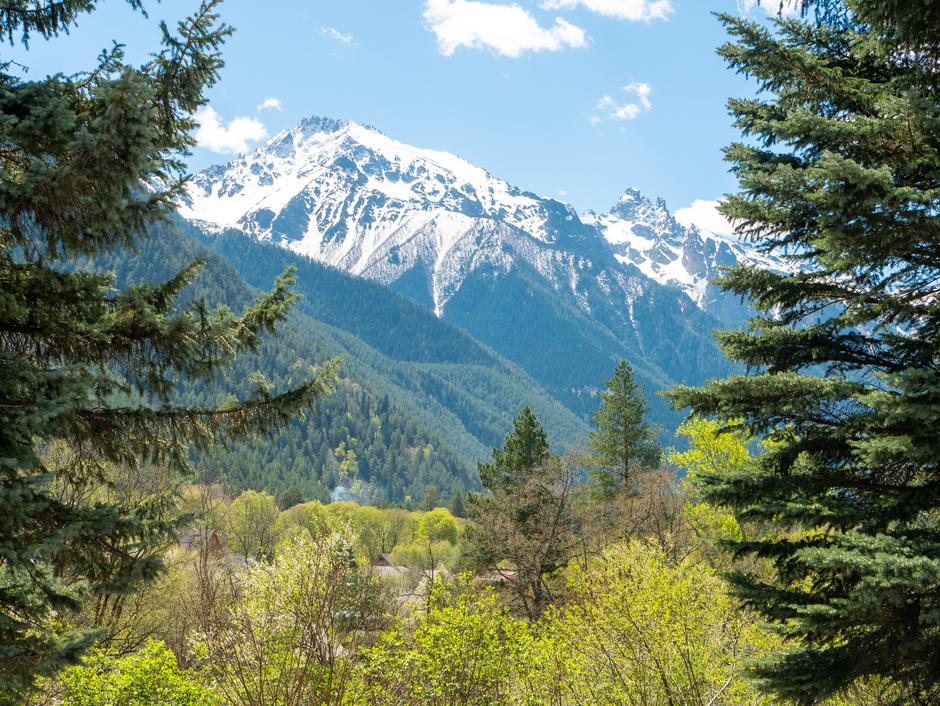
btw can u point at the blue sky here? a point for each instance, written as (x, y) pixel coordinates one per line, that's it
(577, 99)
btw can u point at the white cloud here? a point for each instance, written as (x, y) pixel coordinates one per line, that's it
(609, 108)
(704, 214)
(508, 30)
(642, 92)
(617, 111)
(786, 8)
(634, 10)
(334, 33)
(270, 104)
(236, 136)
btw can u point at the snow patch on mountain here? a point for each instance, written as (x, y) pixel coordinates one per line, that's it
(350, 196)
(644, 233)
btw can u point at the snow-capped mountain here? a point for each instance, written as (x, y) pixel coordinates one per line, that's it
(347, 195)
(646, 234)
(524, 274)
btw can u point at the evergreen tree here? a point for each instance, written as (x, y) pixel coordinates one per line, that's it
(289, 497)
(457, 502)
(621, 439)
(524, 449)
(841, 171)
(89, 163)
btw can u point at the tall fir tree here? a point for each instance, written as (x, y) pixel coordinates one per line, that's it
(840, 171)
(621, 440)
(89, 163)
(524, 449)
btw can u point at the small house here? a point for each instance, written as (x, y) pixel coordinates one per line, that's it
(199, 539)
(382, 560)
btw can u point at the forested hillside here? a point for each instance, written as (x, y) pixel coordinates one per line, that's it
(418, 400)
(438, 371)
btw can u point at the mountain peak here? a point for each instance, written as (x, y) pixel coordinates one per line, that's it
(317, 123)
(630, 202)
(630, 195)
(348, 195)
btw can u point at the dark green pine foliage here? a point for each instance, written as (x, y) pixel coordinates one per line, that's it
(841, 169)
(524, 450)
(907, 24)
(77, 357)
(621, 441)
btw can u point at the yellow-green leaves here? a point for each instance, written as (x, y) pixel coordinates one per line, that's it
(642, 629)
(150, 677)
(467, 650)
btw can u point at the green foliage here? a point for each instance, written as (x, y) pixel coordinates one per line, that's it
(150, 677)
(465, 650)
(621, 438)
(288, 633)
(839, 172)
(523, 450)
(290, 496)
(526, 522)
(250, 525)
(638, 628)
(438, 525)
(713, 452)
(312, 517)
(910, 25)
(377, 531)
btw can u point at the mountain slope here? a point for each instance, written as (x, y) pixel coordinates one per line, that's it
(449, 382)
(381, 442)
(523, 274)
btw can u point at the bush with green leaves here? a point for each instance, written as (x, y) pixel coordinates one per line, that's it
(641, 628)
(465, 650)
(150, 677)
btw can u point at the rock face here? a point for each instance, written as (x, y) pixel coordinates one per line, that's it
(527, 275)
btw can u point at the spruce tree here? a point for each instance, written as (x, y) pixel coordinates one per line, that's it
(841, 173)
(524, 449)
(621, 440)
(89, 163)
